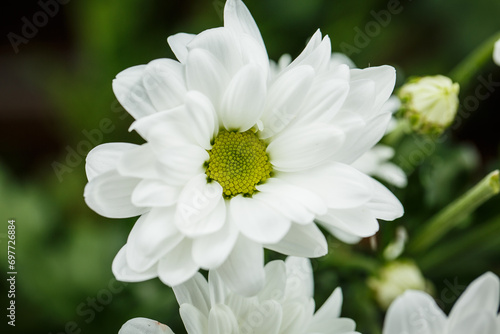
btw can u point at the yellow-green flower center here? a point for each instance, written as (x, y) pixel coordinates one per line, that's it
(238, 161)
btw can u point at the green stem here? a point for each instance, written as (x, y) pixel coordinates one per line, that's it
(473, 239)
(454, 213)
(470, 66)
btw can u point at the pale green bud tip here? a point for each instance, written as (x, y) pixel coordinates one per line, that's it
(430, 103)
(395, 278)
(496, 53)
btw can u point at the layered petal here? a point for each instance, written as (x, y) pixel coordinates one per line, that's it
(243, 271)
(153, 235)
(132, 94)
(109, 194)
(177, 266)
(302, 240)
(103, 158)
(414, 312)
(257, 220)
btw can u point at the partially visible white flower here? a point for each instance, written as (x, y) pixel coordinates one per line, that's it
(237, 160)
(430, 103)
(393, 279)
(284, 305)
(496, 53)
(144, 326)
(476, 311)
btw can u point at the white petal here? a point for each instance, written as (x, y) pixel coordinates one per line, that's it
(144, 326)
(222, 320)
(257, 221)
(301, 198)
(297, 316)
(178, 265)
(284, 99)
(241, 306)
(140, 162)
(243, 271)
(178, 43)
(165, 84)
(340, 325)
(303, 148)
(392, 174)
(211, 250)
(123, 273)
(193, 123)
(302, 240)
(384, 78)
(323, 318)
(384, 205)
(206, 74)
(482, 295)
(238, 18)
(195, 292)
(104, 158)
(200, 207)
(131, 94)
(361, 139)
(343, 236)
(340, 186)
(153, 235)
(361, 97)
(221, 44)
(317, 53)
(299, 283)
(203, 119)
(154, 193)
(182, 163)
(217, 289)
(475, 322)
(312, 44)
(290, 208)
(194, 321)
(326, 97)
(274, 287)
(356, 221)
(109, 195)
(263, 317)
(414, 312)
(244, 98)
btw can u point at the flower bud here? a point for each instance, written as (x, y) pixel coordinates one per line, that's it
(429, 103)
(496, 53)
(395, 278)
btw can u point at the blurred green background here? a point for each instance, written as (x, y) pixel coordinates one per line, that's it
(56, 103)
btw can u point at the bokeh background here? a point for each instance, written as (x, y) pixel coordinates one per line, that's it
(56, 103)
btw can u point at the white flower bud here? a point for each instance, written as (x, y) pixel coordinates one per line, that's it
(395, 278)
(430, 103)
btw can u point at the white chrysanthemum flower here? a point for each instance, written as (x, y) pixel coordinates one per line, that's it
(237, 160)
(284, 305)
(496, 53)
(476, 311)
